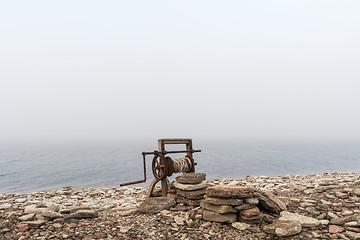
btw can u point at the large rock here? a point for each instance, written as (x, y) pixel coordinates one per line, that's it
(189, 202)
(197, 194)
(303, 220)
(157, 204)
(218, 208)
(217, 217)
(228, 191)
(283, 228)
(191, 178)
(270, 202)
(223, 201)
(47, 213)
(190, 187)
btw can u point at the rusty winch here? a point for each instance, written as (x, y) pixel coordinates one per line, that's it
(163, 166)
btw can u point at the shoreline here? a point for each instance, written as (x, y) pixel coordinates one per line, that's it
(111, 213)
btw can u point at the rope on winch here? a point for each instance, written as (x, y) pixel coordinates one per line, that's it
(182, 164)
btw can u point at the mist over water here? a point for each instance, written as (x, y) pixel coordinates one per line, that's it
(49, 167)
(125, 73)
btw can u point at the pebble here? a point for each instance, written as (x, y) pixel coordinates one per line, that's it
(324, 197)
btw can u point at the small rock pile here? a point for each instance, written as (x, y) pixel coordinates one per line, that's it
(66, 190)
(190, 188)
(225, 203)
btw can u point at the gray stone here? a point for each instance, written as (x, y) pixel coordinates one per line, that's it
(343, 220)
(223, 201)
(324, 222)
(217, 217)
(179, 220)
(85, 214)
(50, 214)
(356, 192)
(226, 191)
(351, 224)
(270, 202)
(47, 213)
(27, 217)
(352, 235)
(35, 224)
(240, 226)
(190, 187)
(5, 206)
(197, 194)
(155, 205)
(191, 178)
(128, 212)
(218, 208)
(283, 228)
(289, 228)
(304, 220)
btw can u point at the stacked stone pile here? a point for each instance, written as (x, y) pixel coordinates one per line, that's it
(66, 190)
(225, 203)
(190, 188)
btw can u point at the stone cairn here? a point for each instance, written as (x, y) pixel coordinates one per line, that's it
(227, 203)
(190, 188)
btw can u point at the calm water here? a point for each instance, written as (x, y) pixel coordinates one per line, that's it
(49, 167)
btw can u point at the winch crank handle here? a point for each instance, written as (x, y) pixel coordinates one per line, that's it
(140, 181)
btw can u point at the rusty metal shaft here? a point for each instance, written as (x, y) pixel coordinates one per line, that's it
(156, 153)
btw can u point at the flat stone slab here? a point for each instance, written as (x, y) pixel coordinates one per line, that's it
(191, 178)
(35, 224)
(217, 217)
(218, 208)
(156, 204)
(229, 191)
(223, 201)
(85, 214)
(304, 220)
(253, 219)
(188, 202)
(190, 187)
(270, 202)
(250, 212)
(244, 206)
(197, 194)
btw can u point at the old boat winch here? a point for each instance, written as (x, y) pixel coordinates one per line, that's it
(163, 166)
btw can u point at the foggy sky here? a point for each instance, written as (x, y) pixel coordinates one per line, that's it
(242, 70)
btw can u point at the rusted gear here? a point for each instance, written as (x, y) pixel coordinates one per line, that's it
(159, 168)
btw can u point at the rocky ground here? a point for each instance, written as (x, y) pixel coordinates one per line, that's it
(331, 200)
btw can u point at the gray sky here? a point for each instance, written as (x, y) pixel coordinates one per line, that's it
(244, 70)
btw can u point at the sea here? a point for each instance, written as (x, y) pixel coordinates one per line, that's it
(27, 168)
